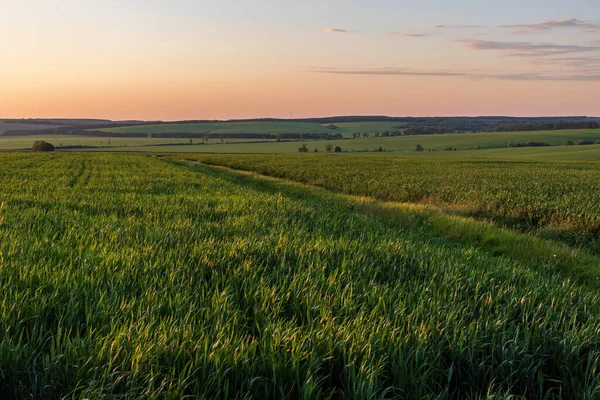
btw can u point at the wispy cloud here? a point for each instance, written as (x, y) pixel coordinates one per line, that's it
(458, 74)
(457, 26)
(409, 35)
(579, 64)
(525, 49)
(387, 71)
(585, 26)
(554, 24)
(336, 30)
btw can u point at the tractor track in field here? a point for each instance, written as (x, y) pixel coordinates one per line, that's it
(531, 251)
(77, 176)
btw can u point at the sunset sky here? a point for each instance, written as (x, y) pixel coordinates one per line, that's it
(186, 59)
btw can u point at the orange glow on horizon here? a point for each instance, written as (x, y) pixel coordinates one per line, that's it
(307, 95)
(210, 60)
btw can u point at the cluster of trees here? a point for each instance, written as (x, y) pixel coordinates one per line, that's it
(40, 145)
(427, 131)
(391, 133)
(549, 126)
(528, 144)
(405, 132)
(328, 148)
(418, 147)
(367, 135)
(565, 143)
(582, 142)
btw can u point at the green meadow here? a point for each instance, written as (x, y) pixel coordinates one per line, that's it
(491, 145)
(129, 276)
(224, 128)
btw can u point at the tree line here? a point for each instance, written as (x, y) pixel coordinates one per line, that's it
(549, 126)
(272, 136)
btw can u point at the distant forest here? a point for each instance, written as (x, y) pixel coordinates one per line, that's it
(520, 127)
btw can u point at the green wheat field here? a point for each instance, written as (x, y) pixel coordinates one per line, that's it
(126, 276)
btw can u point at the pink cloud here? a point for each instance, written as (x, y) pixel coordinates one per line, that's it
(457, 26)
(581, 77)
(409, 35)
(525, 49)
(553, 24)
(336, 30)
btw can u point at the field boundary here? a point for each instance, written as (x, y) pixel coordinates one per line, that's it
(531, 251)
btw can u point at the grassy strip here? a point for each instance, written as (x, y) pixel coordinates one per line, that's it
(532, 251)
(555, 201)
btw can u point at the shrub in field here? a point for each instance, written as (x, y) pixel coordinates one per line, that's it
(338, 149)
(584, 142)
(316, 150)
(528, 144)
(535, 144)
(567, 143)
(449, 148)
(328, 148)
(418, 147)
(303, 149)
(477, 147)
(40, 145)
(597, 142)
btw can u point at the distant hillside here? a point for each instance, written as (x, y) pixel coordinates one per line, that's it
(272, 128)
(11, 126)
(58, 121)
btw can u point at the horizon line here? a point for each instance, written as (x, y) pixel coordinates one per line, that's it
(283, 119)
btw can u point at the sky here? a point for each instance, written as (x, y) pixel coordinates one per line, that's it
(225, 59)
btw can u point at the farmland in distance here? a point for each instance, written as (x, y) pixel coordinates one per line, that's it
(224, 128)
(490, 144)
